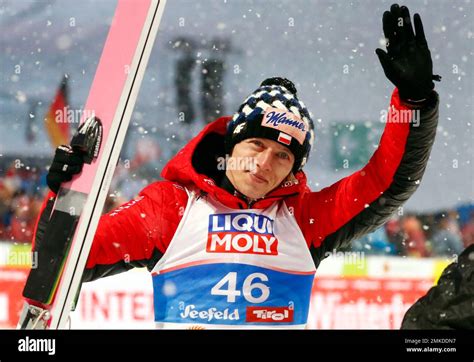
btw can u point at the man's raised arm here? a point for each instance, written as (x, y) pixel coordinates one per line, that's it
(363, 201)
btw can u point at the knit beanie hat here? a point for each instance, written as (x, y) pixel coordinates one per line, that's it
(273, 111)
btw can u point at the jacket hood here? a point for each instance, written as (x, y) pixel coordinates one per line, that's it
(196, 164)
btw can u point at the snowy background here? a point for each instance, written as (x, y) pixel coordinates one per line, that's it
(325, 47)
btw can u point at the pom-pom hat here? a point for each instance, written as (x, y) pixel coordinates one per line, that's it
(274, 112)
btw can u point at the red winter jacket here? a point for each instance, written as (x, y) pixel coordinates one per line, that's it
(138, 233)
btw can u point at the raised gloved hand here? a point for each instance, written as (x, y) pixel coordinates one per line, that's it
(69, 160)
(66, 164)
(407, 62)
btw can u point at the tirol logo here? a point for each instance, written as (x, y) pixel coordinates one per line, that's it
(246, 233)
(269, 314)
(285, 121)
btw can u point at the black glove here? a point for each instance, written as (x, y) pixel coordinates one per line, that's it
(66, 164)
(407, 63)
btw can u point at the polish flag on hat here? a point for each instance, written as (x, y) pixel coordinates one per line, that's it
(284, 138)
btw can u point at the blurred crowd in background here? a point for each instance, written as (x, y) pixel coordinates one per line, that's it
(22, 192)
(444, 233)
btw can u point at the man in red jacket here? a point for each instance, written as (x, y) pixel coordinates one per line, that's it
(239, 247)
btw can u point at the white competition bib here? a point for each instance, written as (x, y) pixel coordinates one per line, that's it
(228, 268)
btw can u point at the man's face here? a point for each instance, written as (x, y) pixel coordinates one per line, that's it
(258, 166)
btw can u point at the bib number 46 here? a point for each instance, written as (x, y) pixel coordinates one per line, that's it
(253, 290)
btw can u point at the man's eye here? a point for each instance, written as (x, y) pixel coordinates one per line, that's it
(284, 156)
(257, 143)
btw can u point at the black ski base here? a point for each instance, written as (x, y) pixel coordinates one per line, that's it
(53, 247)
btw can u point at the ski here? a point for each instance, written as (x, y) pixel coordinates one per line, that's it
(71, 218)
